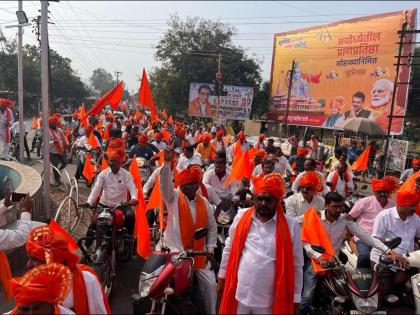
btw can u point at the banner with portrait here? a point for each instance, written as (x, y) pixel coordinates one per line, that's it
(397, 154)
(235, 103)
(342, 70)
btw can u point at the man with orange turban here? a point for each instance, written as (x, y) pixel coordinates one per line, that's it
(142, 148)
(218, 143)
(415, 163)
(45, 246)
(398, 221)
(158, 143)
(112, 185)
(259, 145)
(366, 209)
(204, 148)
(261, 267)
(297, 161)
(6, 121)
(310, 187)
(308, 165)
(188, 211)
(41, 290)
(58, 146)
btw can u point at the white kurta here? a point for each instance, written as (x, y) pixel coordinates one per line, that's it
(14, 238)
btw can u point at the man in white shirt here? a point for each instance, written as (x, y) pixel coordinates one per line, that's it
(189, 157)
(158, 143)
(6, 120)
(248, 276)
(217, 177)
(181, 203)
(218, 143)
(308, 165)
(58, 147)
(400, 221)
(341, 180)
(297, 204)
(80, 144)
(113, 183)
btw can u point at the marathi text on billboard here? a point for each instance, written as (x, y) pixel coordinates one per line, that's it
(343, 70)
(236, 102)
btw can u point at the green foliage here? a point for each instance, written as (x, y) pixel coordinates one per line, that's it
(101, 80)
(170, 82)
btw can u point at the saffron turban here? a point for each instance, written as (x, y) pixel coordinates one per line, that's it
(388, 183)
(219, 133)
(115, 144)
(180, 132)
(118, 155)
(58, 115)
(6, 102)
(415, 162)
(272, 183)
(261, 136)
(407, 198)
(302, 152)
(158, 135)
(206, 138)
(89, 128)
(142, 139)
(54, 120)
(75, 115)
(261, 154)
(49, 246)
(188, 175)
(312, 179)
(48, 283)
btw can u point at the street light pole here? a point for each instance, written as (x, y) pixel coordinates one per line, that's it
(45, 101)
(20, 88)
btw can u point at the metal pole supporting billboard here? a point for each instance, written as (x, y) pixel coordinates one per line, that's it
(20, 88)
(289, 92)
(45, 101)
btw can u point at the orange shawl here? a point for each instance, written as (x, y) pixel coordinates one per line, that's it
(335, 181)
(60, 149)
(284, 280)
(5, 275)
(188, 227)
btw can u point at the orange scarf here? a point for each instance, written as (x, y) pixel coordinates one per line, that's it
(5, 275)
(335, 181)
(188, 227)
(313, 232)
(58, 147)
(284, 280)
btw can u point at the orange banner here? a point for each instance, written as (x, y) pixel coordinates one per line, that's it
(343, 70)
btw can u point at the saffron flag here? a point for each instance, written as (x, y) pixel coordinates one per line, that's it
(82, 115)
(362, 161)
(166, 134)
(88, 169)
(156, 201)
(104, 164)
(170, 120)
(70, 240)
(112, 98)
(35, 124)
(159, 157)
(241, 168)
(141, 226)
(106, 134)
(5, 275)
(92, 141)
(145, 94)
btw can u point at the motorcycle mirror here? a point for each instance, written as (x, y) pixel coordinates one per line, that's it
(200, 233)
(393, 243)
(329, 184)
(364, 187)
(318, 249)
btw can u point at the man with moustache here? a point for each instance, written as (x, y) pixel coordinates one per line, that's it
(357, 107)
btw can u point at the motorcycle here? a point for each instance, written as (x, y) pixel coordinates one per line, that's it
(145, 169)
(358, 290)
(38, 138)
(167, 284)
(413, 260)
(112, 243)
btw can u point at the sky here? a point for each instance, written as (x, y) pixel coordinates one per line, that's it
(121, 35)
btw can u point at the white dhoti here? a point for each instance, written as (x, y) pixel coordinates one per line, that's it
(242, 309)
(207, 286)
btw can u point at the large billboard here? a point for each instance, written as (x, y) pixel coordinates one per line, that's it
(343, 70)
(235, 103)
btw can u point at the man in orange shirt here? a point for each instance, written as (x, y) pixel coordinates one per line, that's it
(201, 106)
(206, 150)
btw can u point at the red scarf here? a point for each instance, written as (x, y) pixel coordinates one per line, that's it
(335, 181)
(284, 280)
(187, 227)
(5, 275)
(60, 149)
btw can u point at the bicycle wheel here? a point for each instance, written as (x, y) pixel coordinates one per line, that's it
(67, 214)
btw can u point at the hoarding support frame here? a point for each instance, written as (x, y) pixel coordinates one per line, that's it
(289, 92)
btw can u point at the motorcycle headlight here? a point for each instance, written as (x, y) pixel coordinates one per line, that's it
(147, 280)
(368, 305)
(104, 218)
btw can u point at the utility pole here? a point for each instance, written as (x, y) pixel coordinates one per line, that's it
(20, 88)
(117, 73)
(45, 101)
(289, 92)
(219, 84)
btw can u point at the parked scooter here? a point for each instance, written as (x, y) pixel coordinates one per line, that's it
(167, 283)
(358, 290)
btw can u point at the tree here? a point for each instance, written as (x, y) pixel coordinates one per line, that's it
(261, 101)
(101, 80)
(180, 66)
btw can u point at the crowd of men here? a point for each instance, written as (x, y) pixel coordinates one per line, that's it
(267, 266)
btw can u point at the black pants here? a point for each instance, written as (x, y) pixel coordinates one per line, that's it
(55, 160)
(25, 145)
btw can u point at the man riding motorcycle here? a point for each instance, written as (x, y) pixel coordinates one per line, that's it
(81, 144)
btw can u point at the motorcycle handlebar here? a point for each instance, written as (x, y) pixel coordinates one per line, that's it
(197, 253)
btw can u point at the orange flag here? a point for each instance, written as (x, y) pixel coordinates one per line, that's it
(70, 240)
(141, 226)
(159, 157)
(252, 153)
(113, 98)
(82, 115)
(92, 141)
(5, 275)
(35, 124)
(106, 134)
(137, 115)
(104, 164)
(164, 114)
(170, 120)
(145, 94)
(88, 169)
(362, 161)
(237, 151)
(156, 201)
(240, 169)
(166, 134)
